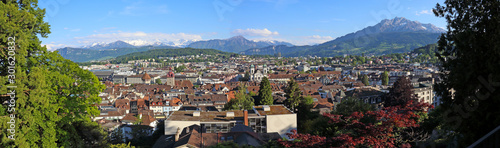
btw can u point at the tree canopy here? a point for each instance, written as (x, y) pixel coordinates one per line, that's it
(469, 52)
(293, 95)
(365, 80)
(400, 93)
(243, 100)
(385, 78)
(55, 99)
(265, 93)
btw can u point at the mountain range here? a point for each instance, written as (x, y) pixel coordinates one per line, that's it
(234, 44)
(389, 36)
(103, 51)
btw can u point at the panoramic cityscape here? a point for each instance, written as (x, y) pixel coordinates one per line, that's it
(249, 73)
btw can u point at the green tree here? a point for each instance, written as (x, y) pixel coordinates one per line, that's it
(158, 81)
(385, 78)
(400, 93)
(242, 100)
(469, 56)
(180, 68)
(230, 144)
(55, 99)
(116, 136)
(350, 105)
(246, 77)
(121, 145)
(365, 80)
(292, 95)
(265, 93)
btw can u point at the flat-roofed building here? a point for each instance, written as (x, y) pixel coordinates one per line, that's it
(262, 119)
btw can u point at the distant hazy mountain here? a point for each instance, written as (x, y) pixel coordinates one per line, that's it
(85, 55)
(137, 43)
(389, 36)
(234, 44)
(156, 53)
(116, 44)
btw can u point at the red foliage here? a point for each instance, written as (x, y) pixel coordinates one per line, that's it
(371, 129)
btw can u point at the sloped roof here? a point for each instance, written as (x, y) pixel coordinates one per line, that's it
(146, 76)
(129, 118)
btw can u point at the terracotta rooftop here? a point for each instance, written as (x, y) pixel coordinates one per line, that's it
(146, 77)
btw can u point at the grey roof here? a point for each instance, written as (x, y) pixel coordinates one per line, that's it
(103, 73)
(241, 128)
(246, 139)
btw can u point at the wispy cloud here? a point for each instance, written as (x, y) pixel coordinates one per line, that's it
(428, 12)
(52, 46)
(254, 32)
(314, 39)
(299, 40)
(127, 36)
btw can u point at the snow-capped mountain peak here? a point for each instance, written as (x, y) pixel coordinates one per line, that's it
(137, 43)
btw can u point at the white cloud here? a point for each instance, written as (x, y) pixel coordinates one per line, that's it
(52, 46)
(311, 40)
(429, 12)
(299, 40)
(128, 36)
(254, 32)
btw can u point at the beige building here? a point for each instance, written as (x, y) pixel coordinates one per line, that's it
(424, 93)
(142, 79)
(262, 119)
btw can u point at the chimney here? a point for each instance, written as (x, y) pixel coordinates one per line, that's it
(245, 117)
(177, 134)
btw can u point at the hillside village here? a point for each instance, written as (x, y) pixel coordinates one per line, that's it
(191, 99)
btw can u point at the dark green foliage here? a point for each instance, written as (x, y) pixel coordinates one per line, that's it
(55, 99)
(85, 55)
(400, 93)
(385, 78)
(265, 93)
(230, 144)
(243, 100)
(246, 77)
(351, 105)
(293, 95)
(365, 80)
(180, 69)
(156, 53)
(426, 54)
(305, 114)
(469, 53)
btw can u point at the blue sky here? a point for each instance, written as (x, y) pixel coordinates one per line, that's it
(76, 23)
